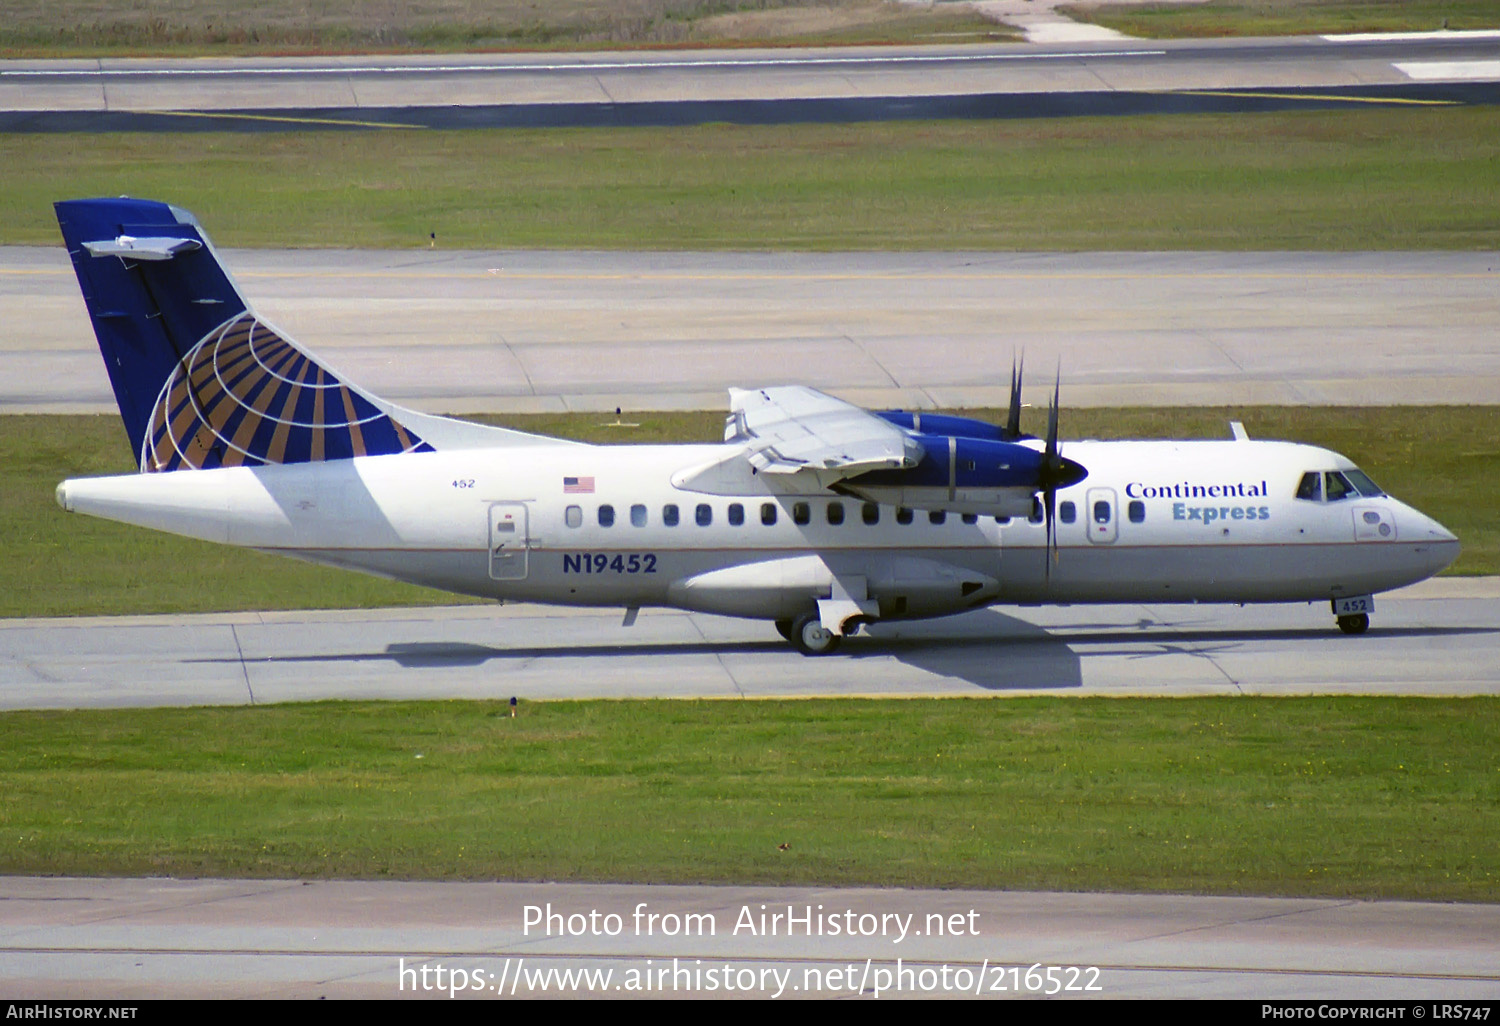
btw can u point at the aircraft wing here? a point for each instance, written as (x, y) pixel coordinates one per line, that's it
(792, 429)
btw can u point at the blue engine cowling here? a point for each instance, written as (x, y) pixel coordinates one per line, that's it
(943, 424)
(964, 463)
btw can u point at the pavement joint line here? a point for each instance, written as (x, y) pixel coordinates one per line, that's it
(1316, 905)
(244, 667)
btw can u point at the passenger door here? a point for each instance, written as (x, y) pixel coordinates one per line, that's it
(510, 541)
(1104, 526)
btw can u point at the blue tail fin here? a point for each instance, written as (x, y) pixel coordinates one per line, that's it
(201, 382)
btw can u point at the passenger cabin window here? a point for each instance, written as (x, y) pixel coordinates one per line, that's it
(704, 514)
(768, 513)
(606, 516)
(937, 516)
(970, 518)
(1137, 511)
(669, 515)
(573, 516)
(1067, 512)
(637, 515)
(1311, 487)
(736, 514)
(1002, 521)
(1102, 512)
(801, 513)
(870, 513)
(835, 513)
(903, 515)
(1036, 511)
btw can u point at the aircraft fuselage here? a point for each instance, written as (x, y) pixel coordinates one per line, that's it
(1198, 521)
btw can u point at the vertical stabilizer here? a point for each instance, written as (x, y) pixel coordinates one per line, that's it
(200, 380)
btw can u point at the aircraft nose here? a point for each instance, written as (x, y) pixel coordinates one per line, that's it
(1438, 544)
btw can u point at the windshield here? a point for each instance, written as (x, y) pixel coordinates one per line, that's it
(1360, 480)
(1333, 485)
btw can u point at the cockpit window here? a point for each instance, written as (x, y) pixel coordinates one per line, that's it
(1333, 485)
(1360, 480)
(1337, 486)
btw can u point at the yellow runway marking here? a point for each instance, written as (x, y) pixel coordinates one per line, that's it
(231, 116)
(1323, 97)
(885, 276)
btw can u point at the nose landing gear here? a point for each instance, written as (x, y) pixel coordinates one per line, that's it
(1356, 624)
(1353, 614)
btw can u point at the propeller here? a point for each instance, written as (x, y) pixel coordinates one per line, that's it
(1055, 472)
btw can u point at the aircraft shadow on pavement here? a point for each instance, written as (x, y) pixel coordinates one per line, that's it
(995, 652)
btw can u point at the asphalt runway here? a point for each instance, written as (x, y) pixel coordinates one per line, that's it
(130, 939)
(1441, 637)
(468, 332)
(748, 86)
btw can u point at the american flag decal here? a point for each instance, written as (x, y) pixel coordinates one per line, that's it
(578, 486)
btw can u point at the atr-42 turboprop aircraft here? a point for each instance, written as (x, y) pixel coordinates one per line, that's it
(813, 514)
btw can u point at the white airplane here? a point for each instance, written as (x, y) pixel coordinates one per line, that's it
(813, 514)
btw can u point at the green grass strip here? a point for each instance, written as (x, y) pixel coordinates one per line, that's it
(1287, 17)
(1348, 797)
(88, 28)
(1443, 460)
(1359, 179)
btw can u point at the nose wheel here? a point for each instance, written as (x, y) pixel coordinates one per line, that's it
(1353, 613)
(1356, 623)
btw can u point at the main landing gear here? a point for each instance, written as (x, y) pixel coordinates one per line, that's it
(807, 632)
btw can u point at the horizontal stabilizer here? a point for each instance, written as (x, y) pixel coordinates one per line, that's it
(154, 248)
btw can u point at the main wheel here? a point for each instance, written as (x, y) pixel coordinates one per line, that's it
(1355, 624)
(811, 637)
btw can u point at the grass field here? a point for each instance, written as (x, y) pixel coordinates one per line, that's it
(1347, 797)
(1288, 17)
(54, 28)
(1444, 460)
(1391, 178)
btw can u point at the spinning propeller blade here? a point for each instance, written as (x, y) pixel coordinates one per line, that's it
(1013, 420)
(1055, 472)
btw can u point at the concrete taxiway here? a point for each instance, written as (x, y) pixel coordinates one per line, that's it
(551, 331)
(128, 939)
(1441, 637)
(368, 88)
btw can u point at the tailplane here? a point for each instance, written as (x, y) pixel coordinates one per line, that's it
(201, 381)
